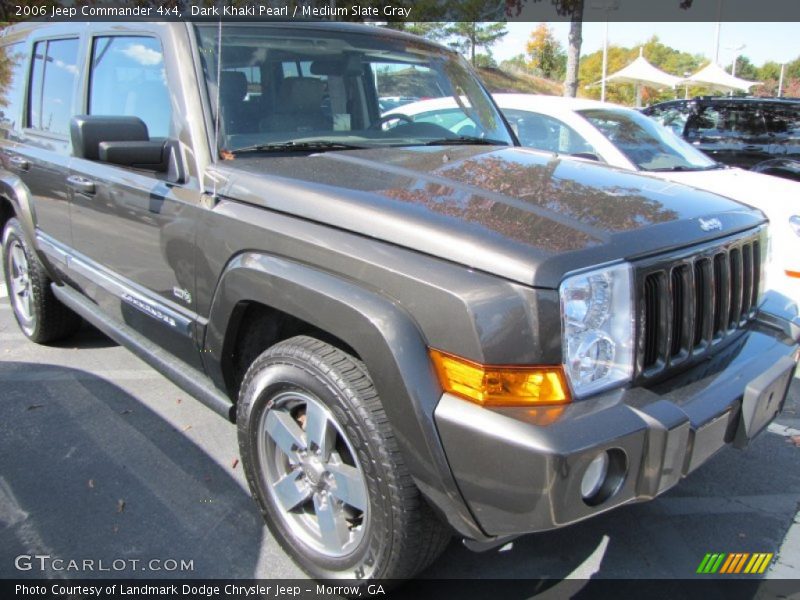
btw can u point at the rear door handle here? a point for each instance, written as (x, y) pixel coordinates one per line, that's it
(19, 163)
(81, 184)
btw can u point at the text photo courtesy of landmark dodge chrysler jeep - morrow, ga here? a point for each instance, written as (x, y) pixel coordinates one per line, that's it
(419, 333)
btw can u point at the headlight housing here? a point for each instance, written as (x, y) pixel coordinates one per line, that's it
(597, 327)
(794, 223)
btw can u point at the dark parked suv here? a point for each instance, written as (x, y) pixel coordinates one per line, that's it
(417, 333)
(762, 134)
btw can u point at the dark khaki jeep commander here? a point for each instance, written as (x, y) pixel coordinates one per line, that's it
(417, 332)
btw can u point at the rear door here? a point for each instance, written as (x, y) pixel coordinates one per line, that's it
(734, 134)
(42, 158)
(783, 127)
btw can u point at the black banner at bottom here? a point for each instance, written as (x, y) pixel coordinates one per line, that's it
(421, 589)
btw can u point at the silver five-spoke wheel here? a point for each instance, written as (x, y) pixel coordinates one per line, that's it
(21, 288)
(313, 474)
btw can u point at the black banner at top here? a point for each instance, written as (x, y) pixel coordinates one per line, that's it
(404, 10)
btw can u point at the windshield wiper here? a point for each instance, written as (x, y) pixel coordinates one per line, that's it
(465, 140)
(685, 168)
(309, 146)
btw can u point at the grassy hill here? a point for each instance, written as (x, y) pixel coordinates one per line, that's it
(504, 81)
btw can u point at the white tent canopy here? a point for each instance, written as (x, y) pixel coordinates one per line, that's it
(642, 72)
(715, 77)
(639, 73)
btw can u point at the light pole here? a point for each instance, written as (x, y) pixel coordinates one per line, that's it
(607, 6)
(780, 81)
(716, 36)
(736, 51)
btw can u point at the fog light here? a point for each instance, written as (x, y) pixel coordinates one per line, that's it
(594, 477)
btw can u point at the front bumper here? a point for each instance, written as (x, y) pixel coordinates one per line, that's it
(520, 469)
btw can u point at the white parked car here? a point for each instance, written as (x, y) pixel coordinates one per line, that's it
(625, 138)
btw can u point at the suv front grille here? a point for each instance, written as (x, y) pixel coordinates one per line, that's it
(690, 302)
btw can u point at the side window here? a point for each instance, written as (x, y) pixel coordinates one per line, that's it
(784, 122)
(748, 121)
(705, 124)
(12, 85)
(671, 117)
(55, 66)
(546, 133)
(128, 79)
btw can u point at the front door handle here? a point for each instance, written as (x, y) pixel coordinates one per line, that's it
(81, 184)
(19, 163)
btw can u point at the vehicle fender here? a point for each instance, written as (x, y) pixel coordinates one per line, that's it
(383, 335)
(781, 167)
(13, 189)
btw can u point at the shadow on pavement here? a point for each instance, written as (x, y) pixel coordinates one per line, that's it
(89, 472)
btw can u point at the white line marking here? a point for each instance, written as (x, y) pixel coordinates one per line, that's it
(783, 430)
(787, 563)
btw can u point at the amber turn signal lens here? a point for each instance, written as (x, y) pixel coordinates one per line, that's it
(498, 385)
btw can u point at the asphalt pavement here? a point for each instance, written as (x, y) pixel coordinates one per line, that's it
(102, 459)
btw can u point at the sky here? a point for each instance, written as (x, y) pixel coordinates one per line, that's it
(763, 41)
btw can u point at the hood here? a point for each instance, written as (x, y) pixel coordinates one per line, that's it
(517, 213)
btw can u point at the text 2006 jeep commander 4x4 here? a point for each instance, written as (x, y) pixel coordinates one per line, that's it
(417, 331)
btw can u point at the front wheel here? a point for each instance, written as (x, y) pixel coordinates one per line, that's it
(324, 467)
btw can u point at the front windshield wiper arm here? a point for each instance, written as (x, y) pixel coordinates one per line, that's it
(312, 146)
(465, 140)
(685, 168)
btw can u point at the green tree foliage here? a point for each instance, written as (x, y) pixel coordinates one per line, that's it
(468, 36)
(546, 56)
(428, 29)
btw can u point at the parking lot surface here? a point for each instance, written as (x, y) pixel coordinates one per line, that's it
(101, 458)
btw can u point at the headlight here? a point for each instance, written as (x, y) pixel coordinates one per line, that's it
(597, 324)
(794, 223)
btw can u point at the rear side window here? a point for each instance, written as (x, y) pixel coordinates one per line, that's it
(55, 67)
(128, 79)
(784, 121)
(546, 133)
(12, 85)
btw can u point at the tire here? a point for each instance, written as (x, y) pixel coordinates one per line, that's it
(348, 473)
(40, 315)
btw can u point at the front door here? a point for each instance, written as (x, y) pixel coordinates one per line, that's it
(133, 229)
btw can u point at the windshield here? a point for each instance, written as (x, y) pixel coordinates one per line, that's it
(648, 145)
(294, 89)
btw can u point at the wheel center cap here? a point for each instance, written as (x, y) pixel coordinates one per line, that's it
(313, 469)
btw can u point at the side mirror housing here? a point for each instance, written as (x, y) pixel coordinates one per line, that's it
(125, 141)
(87, 131)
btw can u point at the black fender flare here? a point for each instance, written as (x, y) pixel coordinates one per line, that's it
(386, 339)
(16, 192)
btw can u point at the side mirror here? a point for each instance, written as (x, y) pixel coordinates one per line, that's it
(125, 141)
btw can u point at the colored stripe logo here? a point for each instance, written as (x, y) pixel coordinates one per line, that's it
(737, 562)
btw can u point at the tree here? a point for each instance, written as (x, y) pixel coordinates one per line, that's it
(516, 63)
(430, 30)
(471, 35)
(547, 57)
(744, 68)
